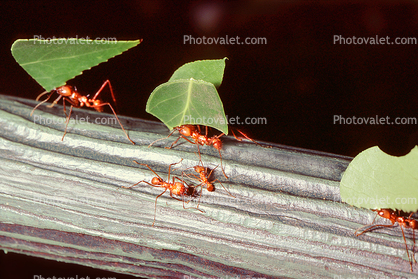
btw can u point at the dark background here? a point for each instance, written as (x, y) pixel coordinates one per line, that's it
(299, 80)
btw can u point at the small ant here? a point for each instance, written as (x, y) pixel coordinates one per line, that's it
(175, 188)
(69, 93)
(204, 178)
(199, 139)
(402, 219)
(194, 132)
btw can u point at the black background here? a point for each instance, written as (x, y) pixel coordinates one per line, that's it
(299, 80)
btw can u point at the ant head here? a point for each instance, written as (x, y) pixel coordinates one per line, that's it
(199, 169)
(65, 90)
(186, 130)
(156, 181)
(178, 188)
(217, 143)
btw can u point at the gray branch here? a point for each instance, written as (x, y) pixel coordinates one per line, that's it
(63, 200)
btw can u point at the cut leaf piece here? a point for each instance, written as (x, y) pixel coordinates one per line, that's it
(376, 180)
(188, 101)
(53, 62)
(208, 70)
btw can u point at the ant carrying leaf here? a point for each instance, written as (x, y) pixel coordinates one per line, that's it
(75, 99)
(400, 217)
(194, 132)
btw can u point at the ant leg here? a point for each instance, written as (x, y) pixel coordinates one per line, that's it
(200, 155)
(64, 107)
(220, 155)
(149, 169)
(178, 178)
(128, 187)
(181, 136)
(107, 82)
(200, 160)
(187, 202)
(222, 168)
(189, 188)
(55, 101)
(413, 227)
(104, 104)
(37, 98)
(406, 247)
(413, 247)
(171, 195)
(169, 170)
(200, 196)
(188, 192)
(66, 123)
(219, 150)
(206, 128)
(161, 139)
(171, 146)
(206, 169)
(43, 93)
(370, 228)
(229, 193)
(190, 174)
(155, 210)
(247, 137)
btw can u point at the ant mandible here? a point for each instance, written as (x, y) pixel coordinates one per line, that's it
(402, 220)
(175, 188)
(69, 93)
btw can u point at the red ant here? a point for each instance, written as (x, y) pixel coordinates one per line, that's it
(175, 188)
(204, 178)
(70, 94)
(402, 220)
(199, 139)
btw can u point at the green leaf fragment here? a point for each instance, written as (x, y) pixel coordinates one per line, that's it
(208, 70)
(53, 62)
(190, 96)
(188, 101)
(376, 180)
